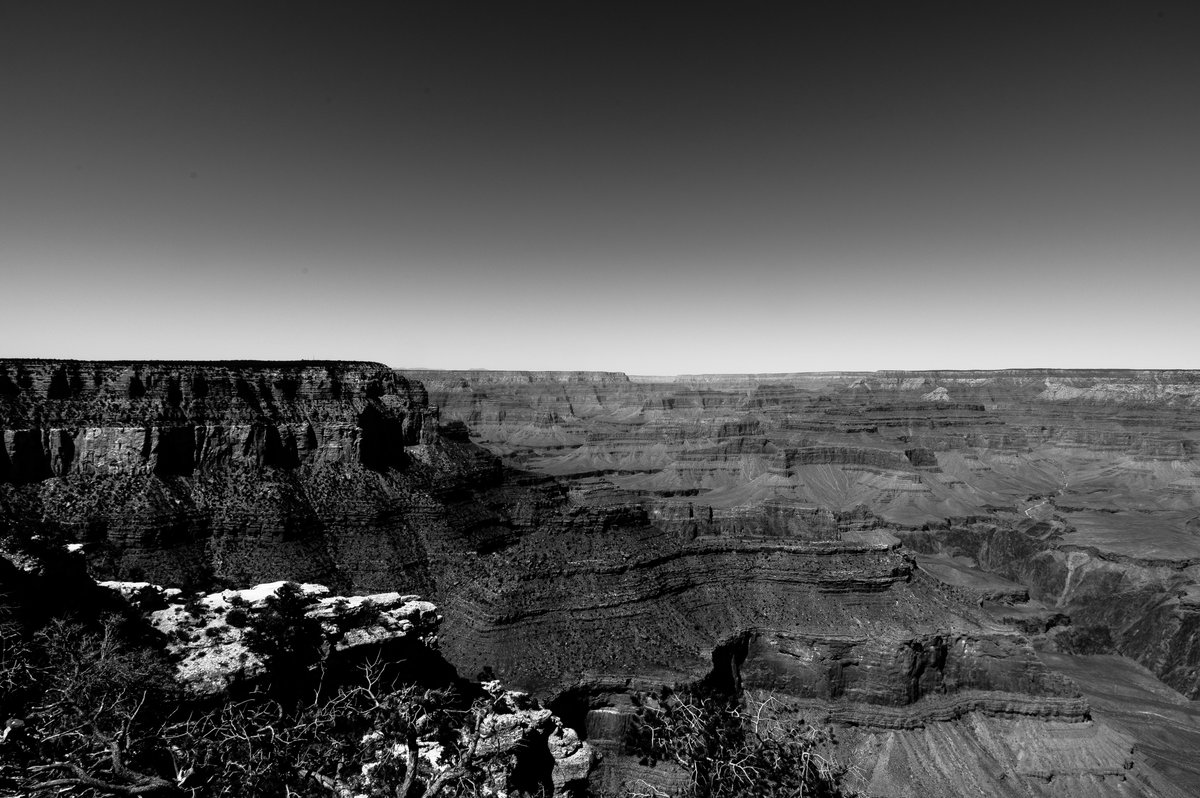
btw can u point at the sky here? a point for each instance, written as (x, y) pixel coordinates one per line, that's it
(653, 188)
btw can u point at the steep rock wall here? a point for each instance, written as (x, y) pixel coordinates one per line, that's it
(229, 473)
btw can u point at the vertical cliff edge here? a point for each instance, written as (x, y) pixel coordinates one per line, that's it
(224, 474)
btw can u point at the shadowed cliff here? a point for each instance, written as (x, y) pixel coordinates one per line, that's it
(224, 473)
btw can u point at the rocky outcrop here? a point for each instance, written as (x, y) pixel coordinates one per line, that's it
(521, 742)
(1009, 757)
(518, 727)
(206, 635)
(229, 473)
(176, 419)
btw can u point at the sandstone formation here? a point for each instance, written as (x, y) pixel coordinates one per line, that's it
(892, 549)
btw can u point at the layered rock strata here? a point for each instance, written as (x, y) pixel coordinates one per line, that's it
(619, 534)
(197, 473)
(1059, 503)
(960, 464)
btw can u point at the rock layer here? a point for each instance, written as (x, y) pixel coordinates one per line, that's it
(1059, 503)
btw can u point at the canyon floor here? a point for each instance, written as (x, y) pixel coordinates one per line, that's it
(984, 582)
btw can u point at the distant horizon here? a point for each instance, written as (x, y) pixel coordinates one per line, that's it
(625, 372)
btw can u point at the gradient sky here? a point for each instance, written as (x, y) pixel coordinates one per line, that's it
(693, 188)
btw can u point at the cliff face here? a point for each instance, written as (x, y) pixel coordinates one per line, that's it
(177, 419)
(223, 472)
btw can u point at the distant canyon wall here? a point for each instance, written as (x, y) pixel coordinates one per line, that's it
(1105, 458)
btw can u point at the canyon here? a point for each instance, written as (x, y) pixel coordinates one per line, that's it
(984, 582)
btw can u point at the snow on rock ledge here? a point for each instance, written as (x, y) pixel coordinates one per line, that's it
(208, 632)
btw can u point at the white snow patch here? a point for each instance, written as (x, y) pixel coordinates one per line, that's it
(130, 589)
(260, 593)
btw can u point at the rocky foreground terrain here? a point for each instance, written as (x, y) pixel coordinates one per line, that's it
(984, 582)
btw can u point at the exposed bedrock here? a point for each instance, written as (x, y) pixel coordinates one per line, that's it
(230, 473)
(833, 620)
(1144, 606)
(1002, 757)
(1110, 453)
(176, 418)
(857, 456)
(772, 518)
(962, 669)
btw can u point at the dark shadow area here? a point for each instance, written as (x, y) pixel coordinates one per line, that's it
(266, 447)
(174, 392)
(64, 457)
(59, 387)
(175, 451)
(572, 707)
(75, 381)
(8, 388)
(199, 386)
(727, 659)
(382, 439)
(244, 392)
(288, 387)
(532, 773)
(30, 461)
